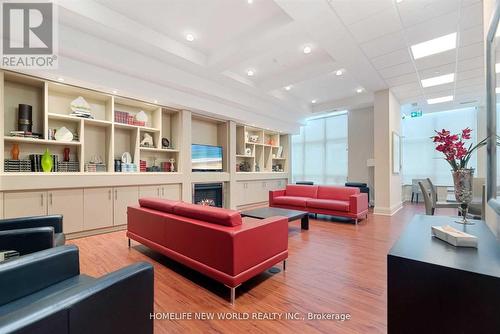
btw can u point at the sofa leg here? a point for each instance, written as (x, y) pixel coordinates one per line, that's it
(284, 265)
(233, 293)
(128, 242)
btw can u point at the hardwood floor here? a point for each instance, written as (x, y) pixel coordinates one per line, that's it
(335, 267)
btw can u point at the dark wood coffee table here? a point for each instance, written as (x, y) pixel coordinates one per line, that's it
(263, 213)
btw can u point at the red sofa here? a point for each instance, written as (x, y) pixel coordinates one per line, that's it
(214, 241)
(329, 200)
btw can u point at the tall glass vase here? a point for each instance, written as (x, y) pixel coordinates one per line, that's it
(462, 179)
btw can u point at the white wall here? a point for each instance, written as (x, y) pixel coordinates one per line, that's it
(204, 132)
(387, 119)
(360, 146)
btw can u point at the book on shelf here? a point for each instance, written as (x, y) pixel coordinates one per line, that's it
(25, 134)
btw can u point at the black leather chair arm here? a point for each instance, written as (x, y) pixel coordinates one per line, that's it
(55, 221)
(27, 240)
(120, 302)
(30, 273)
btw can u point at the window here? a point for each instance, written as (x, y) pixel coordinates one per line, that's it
(420, 159)
(319, 151)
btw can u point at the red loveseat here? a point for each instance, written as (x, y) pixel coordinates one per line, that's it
(329, 200)
(214, 241)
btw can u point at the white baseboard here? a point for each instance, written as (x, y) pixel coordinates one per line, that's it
(381, 211)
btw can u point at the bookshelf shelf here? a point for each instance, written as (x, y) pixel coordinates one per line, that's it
(268, 150)
(101, 138)
(41, 141)
(153, 149)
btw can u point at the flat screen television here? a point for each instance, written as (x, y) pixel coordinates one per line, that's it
(206, 158)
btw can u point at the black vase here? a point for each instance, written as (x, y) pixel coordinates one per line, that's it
(25, 118)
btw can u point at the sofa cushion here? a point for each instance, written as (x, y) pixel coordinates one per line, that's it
(291, 201)
(208, 214)
(328, 204)
(337, 193)
(301, 191)
(163, 205)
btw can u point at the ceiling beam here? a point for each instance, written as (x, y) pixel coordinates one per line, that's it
(120, 23)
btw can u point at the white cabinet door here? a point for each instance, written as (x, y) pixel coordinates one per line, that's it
(123, 197)
(241, 193)
(170, 191)
(149, 191)
(25, 203)
(69, 203)
(98, 208)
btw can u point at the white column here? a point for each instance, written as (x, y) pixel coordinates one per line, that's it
(387, 120)
(185, 155)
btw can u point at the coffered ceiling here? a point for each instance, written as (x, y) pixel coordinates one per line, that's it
(367, 40)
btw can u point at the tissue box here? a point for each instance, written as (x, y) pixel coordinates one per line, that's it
(454, 236)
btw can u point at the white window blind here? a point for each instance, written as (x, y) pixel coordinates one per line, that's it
(319, 152)
(420, 159)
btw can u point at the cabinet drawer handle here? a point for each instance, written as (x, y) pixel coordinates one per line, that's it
(116, 194)
(41, 199)
(50, 196)
(109, 194)
(158, 191)
(163, 191)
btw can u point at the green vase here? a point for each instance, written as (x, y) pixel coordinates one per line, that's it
(47, 161)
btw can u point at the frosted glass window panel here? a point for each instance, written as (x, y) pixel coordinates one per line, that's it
(319, 152)
(420, 159)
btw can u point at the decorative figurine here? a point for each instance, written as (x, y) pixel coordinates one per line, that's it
(172, 166)
(165, 143)
(147, 140)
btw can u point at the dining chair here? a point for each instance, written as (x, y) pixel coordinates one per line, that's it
(429, 209)
(439, 204)
(415, 188)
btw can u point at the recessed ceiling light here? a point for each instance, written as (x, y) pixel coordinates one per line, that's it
(190, 37)
(339, 72)
(399, 1)
(115, 91)
(155, 101)
(60, 79)
(439, 80)
(250, 72)
(288, 87)
(307, 50)
(359, 90)
(313, 101)
(440, 99)
(436, 45)
(250, 2)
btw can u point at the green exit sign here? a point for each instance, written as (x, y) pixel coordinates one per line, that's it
(417, 113)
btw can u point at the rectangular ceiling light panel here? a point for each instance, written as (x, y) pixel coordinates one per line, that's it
(436, 45)
(440, 99)
(439, 80)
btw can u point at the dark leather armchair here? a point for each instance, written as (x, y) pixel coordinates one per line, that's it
(44, 292)
(27, 241)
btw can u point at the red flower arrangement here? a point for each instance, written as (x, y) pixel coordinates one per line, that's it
(454, 149)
